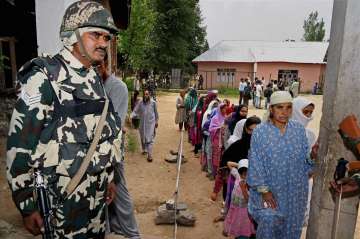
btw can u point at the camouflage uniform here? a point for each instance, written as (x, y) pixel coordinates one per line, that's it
(51, 129)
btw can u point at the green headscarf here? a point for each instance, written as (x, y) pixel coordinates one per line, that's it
(191, 99)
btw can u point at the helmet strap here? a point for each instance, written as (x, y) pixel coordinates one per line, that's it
(83, 52)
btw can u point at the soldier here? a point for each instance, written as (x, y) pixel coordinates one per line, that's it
(53, 127)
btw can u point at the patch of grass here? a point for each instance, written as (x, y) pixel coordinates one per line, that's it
(131, 142)
(228, 91)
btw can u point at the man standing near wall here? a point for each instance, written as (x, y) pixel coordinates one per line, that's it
(294, 88)
(242, 86)
(258, 94)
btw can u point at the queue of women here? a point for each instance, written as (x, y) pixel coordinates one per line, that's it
(263, 167)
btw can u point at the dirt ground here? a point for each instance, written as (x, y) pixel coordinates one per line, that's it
(152, 183)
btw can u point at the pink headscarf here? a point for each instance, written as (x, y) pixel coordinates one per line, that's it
(218, 120)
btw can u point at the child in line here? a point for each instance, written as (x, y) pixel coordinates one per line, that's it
(237, 222)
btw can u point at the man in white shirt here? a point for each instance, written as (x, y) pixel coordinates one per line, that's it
(258, 93)
(242, 86)
(294, 89)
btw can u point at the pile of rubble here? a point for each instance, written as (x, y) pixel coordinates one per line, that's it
(165, 214)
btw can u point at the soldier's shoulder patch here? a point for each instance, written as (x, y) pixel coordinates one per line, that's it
(30, 99)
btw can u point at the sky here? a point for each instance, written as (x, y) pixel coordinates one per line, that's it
(263, 20)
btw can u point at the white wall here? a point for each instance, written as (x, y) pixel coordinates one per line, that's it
(49, 15)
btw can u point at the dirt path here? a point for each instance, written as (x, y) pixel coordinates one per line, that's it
(153, 183)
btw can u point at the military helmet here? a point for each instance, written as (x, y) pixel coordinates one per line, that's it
(86, 14)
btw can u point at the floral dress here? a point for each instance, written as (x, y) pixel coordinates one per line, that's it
(237, 222)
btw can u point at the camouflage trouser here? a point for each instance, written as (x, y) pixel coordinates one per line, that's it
(82, 214)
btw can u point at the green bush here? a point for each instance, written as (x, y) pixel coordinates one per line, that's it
(129, 81)
(228, 91)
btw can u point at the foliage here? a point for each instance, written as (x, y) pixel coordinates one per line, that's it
(163, 34)
(178, 36)
(134, 43)
(129, 81)
(314, 29)
(198, 42)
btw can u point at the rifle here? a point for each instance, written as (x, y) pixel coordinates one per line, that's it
(44, 205)
(350, 133)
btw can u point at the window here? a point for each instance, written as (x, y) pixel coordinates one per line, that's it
(288, 76)
(225, 75)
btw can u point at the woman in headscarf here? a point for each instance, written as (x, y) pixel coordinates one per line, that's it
(198, 116)
(235, 152)
(206, 164)
(211, 95)
(240, 113)
(191, 101)
(278, 172)
(237, 134)
(216, 130)
(229, 107)
(213, 104)
(302, 113)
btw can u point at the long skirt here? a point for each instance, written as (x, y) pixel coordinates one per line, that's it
(216, 150)
(192, 131)
(208, 150)
(180, 116)
(230, 186)
(238, 223)
(203, 158)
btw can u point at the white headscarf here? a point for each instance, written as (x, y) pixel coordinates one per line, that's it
(278, 97)
(208, 112)
(299, 104)
(238, 131)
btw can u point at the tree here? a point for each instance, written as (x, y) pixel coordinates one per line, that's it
(314, 29)
(163, 34)
(178, 36)
(199, 43)
(134, 44)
